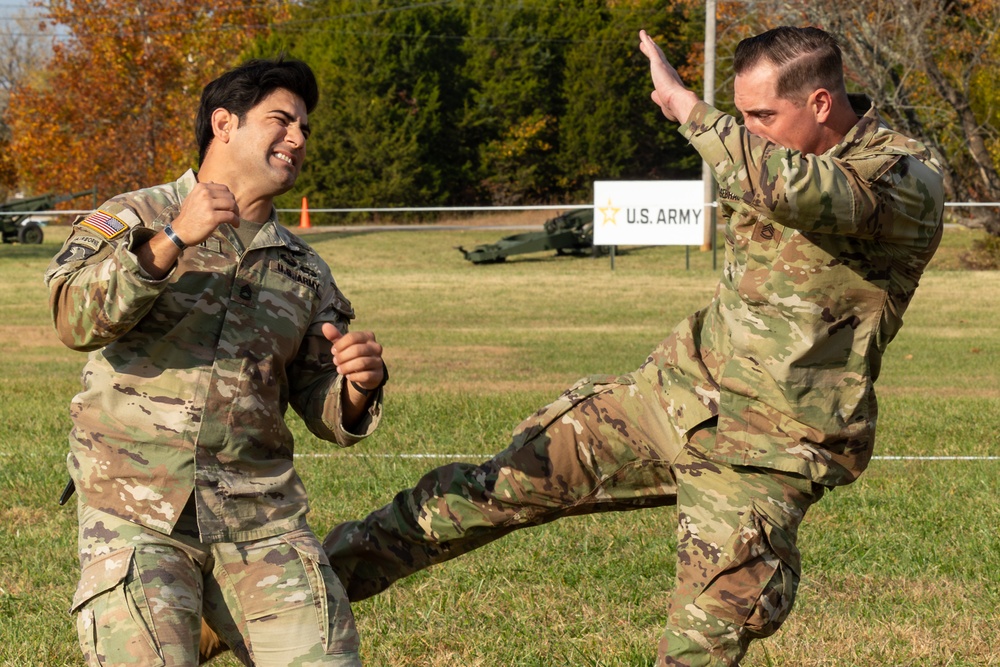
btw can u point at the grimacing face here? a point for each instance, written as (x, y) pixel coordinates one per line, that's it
(790, 123)
(271, 140)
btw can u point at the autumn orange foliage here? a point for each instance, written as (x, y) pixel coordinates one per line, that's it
(115, 106)
(930, 65)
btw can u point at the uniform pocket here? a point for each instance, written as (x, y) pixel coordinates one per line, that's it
(755, 585)
(761, 250)
(114, 622)
(333, 609)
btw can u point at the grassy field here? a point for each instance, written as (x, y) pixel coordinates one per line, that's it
(900, 569)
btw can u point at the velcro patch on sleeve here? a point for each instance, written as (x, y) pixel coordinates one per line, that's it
(105, 224)
(79, 250)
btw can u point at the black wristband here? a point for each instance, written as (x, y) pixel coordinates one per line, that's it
(361, 390)
(368, 392)
(172, 235)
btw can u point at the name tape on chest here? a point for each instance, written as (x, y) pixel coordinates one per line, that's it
(104, 224)
(297, 275)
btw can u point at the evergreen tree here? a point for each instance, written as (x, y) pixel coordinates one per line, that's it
(389, 77)
(482, 102)
(610, 129)
(515, 65)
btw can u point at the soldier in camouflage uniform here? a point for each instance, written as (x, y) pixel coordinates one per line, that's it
(204, 319)
(751, 407)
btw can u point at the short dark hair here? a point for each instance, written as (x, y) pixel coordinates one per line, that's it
(243, 87)
(807, 59)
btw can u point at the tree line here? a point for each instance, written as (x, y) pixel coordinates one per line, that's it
(484, 102)
(422, 103)
(459, 102)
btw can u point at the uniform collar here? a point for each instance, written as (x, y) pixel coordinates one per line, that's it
(185, 184)
(861, 134)
(271, 234)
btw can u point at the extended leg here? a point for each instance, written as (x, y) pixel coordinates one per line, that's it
(601, 446)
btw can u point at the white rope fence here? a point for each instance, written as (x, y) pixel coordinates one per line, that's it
(415, 209)
(483, 457)
(454, 209)
(552, 207)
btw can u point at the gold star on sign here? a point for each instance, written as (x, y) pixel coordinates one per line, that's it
(609, 213)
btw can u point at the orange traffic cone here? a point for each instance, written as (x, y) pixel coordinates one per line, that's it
(304, 216)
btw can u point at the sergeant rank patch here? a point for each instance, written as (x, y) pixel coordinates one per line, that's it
(104, 224)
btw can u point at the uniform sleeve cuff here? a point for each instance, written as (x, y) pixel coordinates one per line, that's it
(364, 427)
(702, 119)
(707, 129)
(137, 237)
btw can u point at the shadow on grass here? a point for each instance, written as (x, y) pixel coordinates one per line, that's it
(551, 255)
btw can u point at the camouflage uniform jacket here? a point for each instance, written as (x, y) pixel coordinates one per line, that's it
(189, 377)
(823, 254)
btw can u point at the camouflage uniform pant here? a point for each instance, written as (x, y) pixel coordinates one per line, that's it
(607, 444)
(142, 594)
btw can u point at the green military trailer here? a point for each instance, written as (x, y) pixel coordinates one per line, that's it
(16, 223)
(571, 233)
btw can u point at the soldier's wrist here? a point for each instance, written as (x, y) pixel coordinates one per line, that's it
(364, 391)
(174, 238)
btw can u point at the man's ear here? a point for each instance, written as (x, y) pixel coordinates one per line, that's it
(822, 104)
(222, 123)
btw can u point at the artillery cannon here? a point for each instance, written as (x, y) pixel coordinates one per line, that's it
(15, 216)
(571, 233)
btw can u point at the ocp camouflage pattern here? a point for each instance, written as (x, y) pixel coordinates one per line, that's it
(823, 255)
(743, 416)
(188, 378)
(142, 595)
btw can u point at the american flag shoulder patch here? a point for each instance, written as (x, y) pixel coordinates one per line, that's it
(104, 224)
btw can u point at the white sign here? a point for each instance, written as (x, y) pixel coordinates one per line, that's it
(649, 213)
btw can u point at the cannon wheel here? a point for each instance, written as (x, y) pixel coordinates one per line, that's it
(31, 232)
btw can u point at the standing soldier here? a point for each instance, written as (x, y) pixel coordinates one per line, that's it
(752, 407)
(204, 319)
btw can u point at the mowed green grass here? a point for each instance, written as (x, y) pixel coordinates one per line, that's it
(900, 569)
